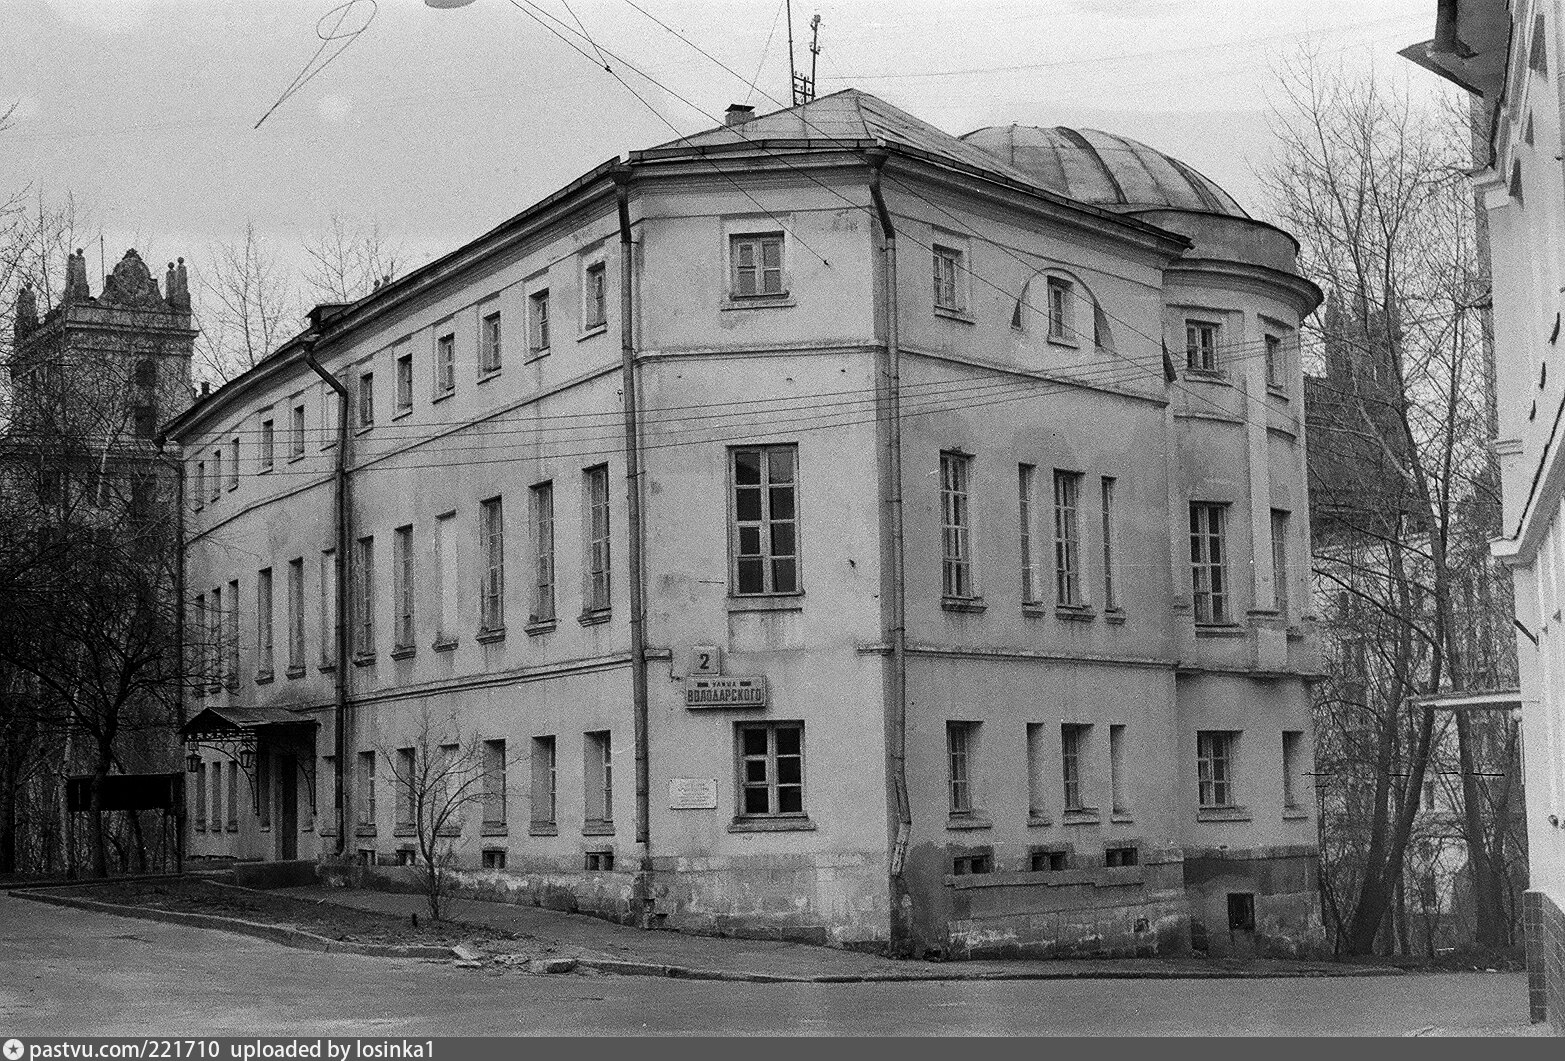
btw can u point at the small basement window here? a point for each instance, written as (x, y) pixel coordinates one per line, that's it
(366, 856)
(494, 858)
(600, 861)
(973, 862)
(406, 856)
(1048, 861)
(1121, 856)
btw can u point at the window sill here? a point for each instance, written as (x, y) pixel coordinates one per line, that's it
(264, 677)
(365, 830)
(326, 668)
(598, 828)
(1207, 375)
(233, 827)
(364, 659)
(539, 626)
(485, 377)
(1122, 817)
(972, 605)
(490, 635)
(603, 615)
(1295, 814)
(1075, 613)
(766, 602)
(1082, 816)
(449, 832)
(295, 458)
(363, 429)
(543, 829)
(264, 469)
(1038, 821)
(969, 820)
(1114, 616)
(592, 330)
(955, 315)
(400, 413)
(404, 652)
(444, 644)
(442, 396)
(1274, 391)
(1060, 340)
(740, 302)
(1219, 630)
(1222, 814)
(406, 829)
(494, 829)
(800, 824)
(294, 672)
(536, 355)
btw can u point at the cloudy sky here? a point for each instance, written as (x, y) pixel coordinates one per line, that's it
(438, 124)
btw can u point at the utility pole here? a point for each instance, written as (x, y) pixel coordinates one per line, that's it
(803, 86)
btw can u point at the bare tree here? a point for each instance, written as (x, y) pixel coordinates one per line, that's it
(1403, 493)
(246, 305)
(349, 260)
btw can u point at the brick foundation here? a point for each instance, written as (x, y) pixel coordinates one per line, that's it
(1544, 925)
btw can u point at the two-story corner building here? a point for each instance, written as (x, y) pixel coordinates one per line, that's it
(1511, 55)
(971, 584)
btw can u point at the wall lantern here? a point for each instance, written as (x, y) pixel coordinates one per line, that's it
(247, 758)
(193, 761)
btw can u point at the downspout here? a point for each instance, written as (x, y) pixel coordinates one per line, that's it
(181, 820)
(638, 633)
(340, 564)
(890, 414)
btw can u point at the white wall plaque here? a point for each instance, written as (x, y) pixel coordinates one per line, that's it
(692, 793)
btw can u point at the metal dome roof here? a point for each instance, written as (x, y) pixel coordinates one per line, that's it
(1110, 171)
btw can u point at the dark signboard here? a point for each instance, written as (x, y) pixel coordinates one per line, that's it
(127, 792)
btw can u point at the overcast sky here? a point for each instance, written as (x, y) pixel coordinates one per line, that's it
(438, 124)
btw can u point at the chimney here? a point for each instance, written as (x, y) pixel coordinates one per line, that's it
(738, 114)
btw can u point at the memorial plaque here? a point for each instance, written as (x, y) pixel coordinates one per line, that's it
(692, 793)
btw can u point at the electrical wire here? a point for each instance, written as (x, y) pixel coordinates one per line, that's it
(307, 73)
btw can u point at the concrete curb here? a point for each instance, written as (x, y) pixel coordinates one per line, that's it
(288, 937)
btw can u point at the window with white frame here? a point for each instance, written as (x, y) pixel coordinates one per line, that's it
(296, 614)
(1074, 737)
(543, 781)
(231, 638)
(217, 475)
(491, 524)
(1106, 487)
(404, 363)
(771, 769)
(1067, 539)
(598, 777)
(595, 483)
(268, 440)
(364, 598)
(489, 338)
(1276, 367)
(366, 402)
(445, 363)
(333, 410)
(1119, 803)
(1292, 758)
(956, 548)
(1215, 766)
(1026, 486)
(215, 631)
(447, 581)
(756, 264)
(542, 534)
(263, 622)
(406, 780)
(200, 491)
(328, 609)
(233, 463)
(402, 586)
(595, 309)
(366, 793)
(1280, 573)
(296, 431)
(494, 782)
(961, 743)
(1061, 327)
(948, 279)
(1209, 561)
(764, 538)
(538, 322)
(1037, 792)
(1201, 345)
(201, 656)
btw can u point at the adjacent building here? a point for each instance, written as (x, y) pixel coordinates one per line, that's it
(1511, 56)
(947, 590)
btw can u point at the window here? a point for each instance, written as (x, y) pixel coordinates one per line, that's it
(231, 638)
(333, 410)
(961, 737)
(364, 598)
(1110, 590)
(201, 795)
(144, 421)
(494, 782)
(329, 617)
(596, 483)
(215, 640)
(1117, 769)
(489, 340)
(491, 520)
(200, 491)
(1274, 362)
(217, 473)
(1067, 539)
(1209, 562)
(404, 365)
(296, 613)
(1060, 329)
(402, 585)
(543, 807)
(599, 778)
(268, 440)
(407, 788)
(542, 511)
(1292, 748)
(1201, 346)
(445, 364)
(771, 763)
(366, 788)
(263, 621)
(296, 432)
(1073, 754)
(494, 858)
(233, 464)
(1215, 767)
(956, 544)
(147, 373)
(600, 861)
(969, 862)
(198, 637)
(594, 297)
(1121, 856)
(1026, 480)
(233, 796)
(538, 321)
(1047, 861)
(757, 266)
(366, 400)
(1280, 560)
(948, 292)
(764, 538)
(1037, 804)
(446, 576)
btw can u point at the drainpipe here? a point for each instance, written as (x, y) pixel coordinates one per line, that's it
(890, 415)
(340, 502)
(638, 633)
(181, 819)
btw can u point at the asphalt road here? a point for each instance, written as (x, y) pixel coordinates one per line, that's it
(70, 972)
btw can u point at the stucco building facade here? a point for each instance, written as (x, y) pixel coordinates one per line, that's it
(968, 482)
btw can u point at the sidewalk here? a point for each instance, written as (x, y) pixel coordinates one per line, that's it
(621, 949)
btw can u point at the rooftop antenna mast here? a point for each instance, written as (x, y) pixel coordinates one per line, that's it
(803, 86)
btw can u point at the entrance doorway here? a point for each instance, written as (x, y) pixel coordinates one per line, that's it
(287, 807)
